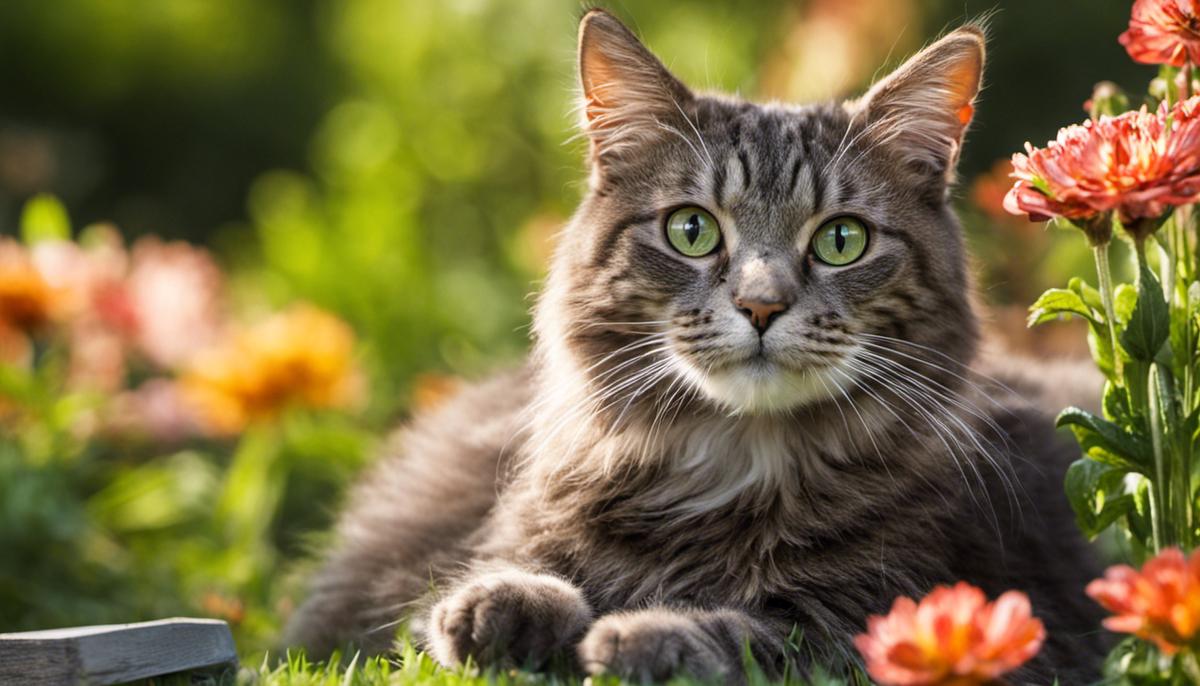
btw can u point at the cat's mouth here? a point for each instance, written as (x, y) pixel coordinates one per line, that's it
(760, 383)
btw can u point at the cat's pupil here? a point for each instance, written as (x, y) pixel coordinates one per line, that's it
(839, 237)
(692, 228)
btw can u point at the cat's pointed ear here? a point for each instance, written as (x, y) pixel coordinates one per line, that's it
(924, 108)
(627, 92)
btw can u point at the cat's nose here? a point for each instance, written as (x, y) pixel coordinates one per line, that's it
(760, 311)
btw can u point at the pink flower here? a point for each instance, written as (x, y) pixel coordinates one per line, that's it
(1164, 32)
(1135, 164)
(162, 300)
(1161, 603)
(157, 410)
(95, 317)
(174, 291)
(82, 273)
(953, 637)
(97, 357)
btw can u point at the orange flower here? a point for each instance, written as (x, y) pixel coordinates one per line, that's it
(431, 390)
(988, 189)
(299, 357)
(1160, 604)
(953, 637)
(15, 348)
(1164, 32)
(27, 301)
(1136, 163)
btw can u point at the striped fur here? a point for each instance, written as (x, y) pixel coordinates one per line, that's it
(662, 486)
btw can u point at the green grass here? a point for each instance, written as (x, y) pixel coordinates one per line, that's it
(410, 667)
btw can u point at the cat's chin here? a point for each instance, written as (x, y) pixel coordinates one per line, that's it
(763, 387)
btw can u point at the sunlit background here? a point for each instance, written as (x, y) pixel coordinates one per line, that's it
(368, 190)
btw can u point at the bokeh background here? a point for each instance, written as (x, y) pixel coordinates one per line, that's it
(360, 194)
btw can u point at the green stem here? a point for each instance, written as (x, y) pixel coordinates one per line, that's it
(1191, 666)
(1167, 263)
(1182, 261)
(1104, 275)
(1155, 519)
(1144, 396)
(1183, 497)
(1161, 513)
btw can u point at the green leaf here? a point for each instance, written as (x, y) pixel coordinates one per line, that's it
(1056, 302)
(1100, 345)
(1105, 441)
(1116, 403)
(1096, 493)
(1090, 295)
(1150, 324)
(1124, 302)
(1138, 520)
(1181, 332)
(156, 495)
(43, 219)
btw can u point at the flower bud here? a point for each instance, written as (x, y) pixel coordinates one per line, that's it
(1159, 89)
(1107, 99)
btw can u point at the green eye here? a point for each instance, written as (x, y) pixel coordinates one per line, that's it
(693, 232)
(840, 241)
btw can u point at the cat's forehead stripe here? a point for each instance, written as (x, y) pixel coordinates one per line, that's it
(774, 156)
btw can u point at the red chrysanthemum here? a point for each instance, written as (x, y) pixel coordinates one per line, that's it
(953, 637)
(1161, 603)
(1139, 164)
(1164, 32)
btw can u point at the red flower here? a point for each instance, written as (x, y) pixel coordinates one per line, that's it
(1164, 32)
(1160, 604)
(1136, 163)
(953, 637)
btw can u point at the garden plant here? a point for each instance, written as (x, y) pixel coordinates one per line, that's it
(1130, 172)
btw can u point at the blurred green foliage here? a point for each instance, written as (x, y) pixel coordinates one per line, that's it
(424, 218)
(401, 163)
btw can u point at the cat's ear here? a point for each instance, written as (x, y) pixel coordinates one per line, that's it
(924, 108)
(627, 92)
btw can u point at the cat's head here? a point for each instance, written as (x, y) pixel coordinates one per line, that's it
(760, 258)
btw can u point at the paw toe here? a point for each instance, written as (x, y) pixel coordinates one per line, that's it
(507, 620)
(649, 646)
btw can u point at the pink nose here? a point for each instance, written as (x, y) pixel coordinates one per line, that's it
(760, 313)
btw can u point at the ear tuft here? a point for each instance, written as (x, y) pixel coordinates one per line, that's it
(626, 90)
(925, 106)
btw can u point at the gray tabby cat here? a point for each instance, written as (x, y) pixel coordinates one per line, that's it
(751, 409)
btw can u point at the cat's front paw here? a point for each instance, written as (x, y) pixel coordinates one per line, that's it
(507, 619)
(654, 645)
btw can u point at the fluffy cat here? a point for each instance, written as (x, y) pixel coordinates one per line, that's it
(752, 408)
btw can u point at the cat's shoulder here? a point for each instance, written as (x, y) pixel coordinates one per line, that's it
(1051, 384)
(1023, 395)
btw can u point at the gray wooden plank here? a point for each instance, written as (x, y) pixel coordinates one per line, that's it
(112, 654)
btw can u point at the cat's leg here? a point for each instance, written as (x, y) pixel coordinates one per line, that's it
(506, 617)
(656, 644)
(409, 518)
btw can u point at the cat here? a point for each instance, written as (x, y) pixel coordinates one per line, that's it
(753, 411)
